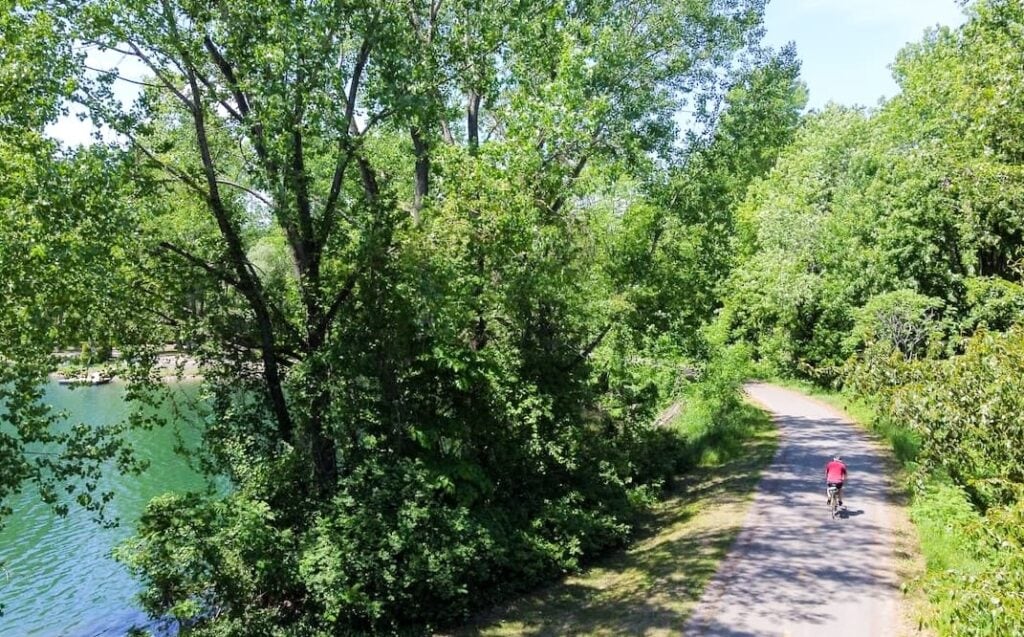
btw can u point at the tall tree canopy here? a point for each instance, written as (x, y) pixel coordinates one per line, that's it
(922, 196)
(883, 252)
(374, 225)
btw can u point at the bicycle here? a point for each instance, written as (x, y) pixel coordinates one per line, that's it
(833, 501)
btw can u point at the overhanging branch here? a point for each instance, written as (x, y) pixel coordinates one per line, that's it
(208, 267)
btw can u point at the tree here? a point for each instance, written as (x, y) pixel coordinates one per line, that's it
(301, 93)
(922, 195)
(366, 220)
(61, 248)
(677, 247)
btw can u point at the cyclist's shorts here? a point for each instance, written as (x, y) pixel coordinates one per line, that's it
(836, 484)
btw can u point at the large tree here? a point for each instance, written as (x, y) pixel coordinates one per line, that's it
(282, 109)
(368, 222)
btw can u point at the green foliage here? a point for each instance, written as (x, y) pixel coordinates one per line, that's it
(967, 409)
(802, 228)
(974, 563)
(200, 546)
(63, 269)
(901, 319)
(994, 303)
(714, 421)
(921, 198)
(963, 413)
(682, 242)
(882, 253)
(431, 344)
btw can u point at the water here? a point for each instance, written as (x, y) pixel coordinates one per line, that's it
(58, 579)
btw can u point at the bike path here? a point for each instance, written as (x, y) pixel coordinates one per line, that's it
(793, 571)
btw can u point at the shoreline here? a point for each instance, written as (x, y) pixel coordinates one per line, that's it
(169, 366)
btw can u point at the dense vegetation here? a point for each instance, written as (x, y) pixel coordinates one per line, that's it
(441, 264)
(883, 253)
(427, 257)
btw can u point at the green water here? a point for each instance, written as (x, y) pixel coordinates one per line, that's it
(58, 578)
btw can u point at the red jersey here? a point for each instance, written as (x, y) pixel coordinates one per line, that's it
(835, 471)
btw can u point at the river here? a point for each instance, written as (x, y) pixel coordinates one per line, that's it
(57, 578)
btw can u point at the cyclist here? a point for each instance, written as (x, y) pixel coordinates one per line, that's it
(835, 476)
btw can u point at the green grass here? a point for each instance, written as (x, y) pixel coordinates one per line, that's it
(949, 529)
(653, 586)
(945, 523)
(943, 516)
(903, 442)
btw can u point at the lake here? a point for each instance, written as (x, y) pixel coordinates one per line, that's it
(58, 578)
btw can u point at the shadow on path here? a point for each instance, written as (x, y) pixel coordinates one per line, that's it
(651, 588)
(794, 570)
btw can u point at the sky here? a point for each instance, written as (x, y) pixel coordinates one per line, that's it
(71, 129)
(846, 46)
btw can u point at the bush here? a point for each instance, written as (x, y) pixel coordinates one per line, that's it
(188, 546)
(965, 413)
(903, 319)
(394, 549)
(976, 564)
(398, 549)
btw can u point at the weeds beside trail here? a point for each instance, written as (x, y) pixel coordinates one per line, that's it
(652, 587)
(954, 539)
(910, 551)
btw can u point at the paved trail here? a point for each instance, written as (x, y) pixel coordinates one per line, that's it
(779, 578)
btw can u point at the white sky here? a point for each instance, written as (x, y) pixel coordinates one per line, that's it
(73, 131)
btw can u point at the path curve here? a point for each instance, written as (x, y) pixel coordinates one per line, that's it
(779, 578)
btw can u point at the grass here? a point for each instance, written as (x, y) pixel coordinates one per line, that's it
(944, 522)
(948, 527)
(653, 586)
(903, 442)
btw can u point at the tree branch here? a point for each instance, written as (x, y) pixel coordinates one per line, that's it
(435, 8)
(422, 172)
(241, 101)
(473, 122)
(345, 148)
(249, 284)
(446, 133)
(243, 106)
(589, 349)
(235, 115)
(369, 178)
(357, 74)
(250, 191)
(306, 252)
(226, 277)
(180, 175)
(189, 104)
(339, 300)
(121, 78)
(573, 176)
